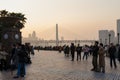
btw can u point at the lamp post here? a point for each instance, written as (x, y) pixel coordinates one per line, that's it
(118, 37)
(109, 38)
(75, 41)
(100, 40)
(105, 41)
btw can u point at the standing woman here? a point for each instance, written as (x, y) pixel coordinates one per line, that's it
(101, 53)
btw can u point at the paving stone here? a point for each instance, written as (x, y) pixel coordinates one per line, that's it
(51, 65)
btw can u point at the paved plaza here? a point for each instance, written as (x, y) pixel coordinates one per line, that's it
(51, 65)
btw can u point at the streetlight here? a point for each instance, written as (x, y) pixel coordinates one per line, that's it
(109, 38)
(105, 41)
(100, 40)
(118, 37)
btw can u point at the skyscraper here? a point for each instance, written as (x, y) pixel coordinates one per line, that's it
(34, 34)
(118, 31)
(118, 26)
(112, 37)
(103, 36)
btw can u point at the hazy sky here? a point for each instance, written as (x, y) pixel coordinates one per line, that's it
(77, 19)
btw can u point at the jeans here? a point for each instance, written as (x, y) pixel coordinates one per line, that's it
(21, 69)
(94, 62)
(85, 54)
(112, 59)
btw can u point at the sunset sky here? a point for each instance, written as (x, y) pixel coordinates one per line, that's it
(77, 19)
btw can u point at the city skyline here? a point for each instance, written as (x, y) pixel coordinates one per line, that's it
(78, 19)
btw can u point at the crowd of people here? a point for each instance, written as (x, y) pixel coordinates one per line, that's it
(98, 52)
(20, 55)
(18, 58)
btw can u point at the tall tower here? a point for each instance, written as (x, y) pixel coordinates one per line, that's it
(57, 39)
(118, 26)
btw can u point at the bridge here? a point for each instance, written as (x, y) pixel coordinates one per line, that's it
(60, 42)
(63, 42)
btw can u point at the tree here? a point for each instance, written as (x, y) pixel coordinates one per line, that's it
(3, 13)
(15, 20)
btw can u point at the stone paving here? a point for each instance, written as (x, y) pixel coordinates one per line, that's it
(51, 65)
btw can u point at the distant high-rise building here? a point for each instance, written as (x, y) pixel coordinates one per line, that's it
(118, 26)
(106, 36)
(103, 36)
(34, 34)
(62, 38)
(29, 36)
(109, 36)
(112, 37)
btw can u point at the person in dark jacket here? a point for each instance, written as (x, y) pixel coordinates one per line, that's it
(119, 54)
(13, 58)
(21, 52)
(95, 56)
(64, 50)
(72, 48)
(79, 50)
(67, 50)
(112, 51)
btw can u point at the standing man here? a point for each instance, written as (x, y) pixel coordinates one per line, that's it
(95, 56)
(67, 50)
(112, 51)
(79, 50)
(21, 61)
(119, 54)
(86, 51)
(72, 48)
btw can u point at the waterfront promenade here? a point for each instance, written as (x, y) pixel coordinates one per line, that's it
(52, 65)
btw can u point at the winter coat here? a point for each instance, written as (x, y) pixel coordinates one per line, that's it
(101, 53)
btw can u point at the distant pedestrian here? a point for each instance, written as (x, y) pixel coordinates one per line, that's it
(86, 51)
(67, 51)
(79, 50)
(101, 53)
(91, 50)
(72, 48)
(14, 58)
(14, 55)
(3, 60)
(32, 50)
(60, 49)
(95, 56)
(112, 51)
